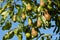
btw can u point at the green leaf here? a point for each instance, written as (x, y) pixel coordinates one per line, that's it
(47, 38)
(42, 38)
(18, 19)
(16, 31)
(2, 21)
(49, 7)
(59, 18)
(18, 7)
(46, 35)
(19, 37)
(7, 26)
(11, 8)
(19, 12)
(4, 38)
(11, 14)
(20, 26)
(58, 21)
(1, 0)
(34, 8)
(9, 35)
(34, 16)
(45, 1)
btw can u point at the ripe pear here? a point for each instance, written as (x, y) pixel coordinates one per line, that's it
(39, 23)
(42, 3)
(28, 6)
(34, 33)
(23, 16)
(47, 15)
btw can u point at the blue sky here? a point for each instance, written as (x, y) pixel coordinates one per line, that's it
(14, 25)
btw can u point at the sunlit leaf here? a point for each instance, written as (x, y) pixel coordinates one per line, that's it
(16, 31)
(5, 14)
(14, 18)
(9, 35)
(20, 26)
(1, 0)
